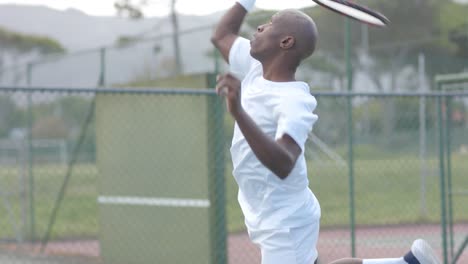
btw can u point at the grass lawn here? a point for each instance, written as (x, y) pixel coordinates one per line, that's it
(77, 216)
(387, 192)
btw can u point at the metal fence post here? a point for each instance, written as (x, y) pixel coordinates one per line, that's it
(30, 156)
(448, 142)
(422, 137)
(216, 165)
(442, 176)
(350, 136)
(102, 61)
(217, 65)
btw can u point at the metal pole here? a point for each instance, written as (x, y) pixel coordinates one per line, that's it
(422, 135)
(22, 183)
(350, 136)
(175, 38)
(216, 62)
(102, 76)
(30, 157)
(442, 177)
(448, 142)
(216, 180)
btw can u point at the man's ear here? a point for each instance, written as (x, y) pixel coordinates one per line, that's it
(287, 42)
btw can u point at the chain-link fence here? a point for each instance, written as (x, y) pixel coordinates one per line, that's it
(144, 175)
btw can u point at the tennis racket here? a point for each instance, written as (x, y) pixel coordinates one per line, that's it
(355, 11)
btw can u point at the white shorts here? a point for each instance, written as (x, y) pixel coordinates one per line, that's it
(289, 245)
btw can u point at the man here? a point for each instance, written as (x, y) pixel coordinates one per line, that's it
(274, 114)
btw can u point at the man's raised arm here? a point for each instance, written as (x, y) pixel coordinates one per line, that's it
(228, 28)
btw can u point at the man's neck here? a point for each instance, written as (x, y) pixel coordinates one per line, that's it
(278, 72)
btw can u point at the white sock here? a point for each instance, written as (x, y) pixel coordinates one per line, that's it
(384, 261)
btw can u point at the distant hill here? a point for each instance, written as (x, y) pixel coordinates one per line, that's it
(77, 31)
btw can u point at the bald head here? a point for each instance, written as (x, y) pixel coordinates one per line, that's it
(302, 28)
(289, 38)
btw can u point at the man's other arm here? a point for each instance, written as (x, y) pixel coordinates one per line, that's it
(227, 30)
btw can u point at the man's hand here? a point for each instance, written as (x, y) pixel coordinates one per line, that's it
(229, 87)
(278, 156)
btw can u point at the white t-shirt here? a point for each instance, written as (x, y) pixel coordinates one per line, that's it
(278, 108)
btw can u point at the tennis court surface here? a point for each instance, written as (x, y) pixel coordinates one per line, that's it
(333, 244)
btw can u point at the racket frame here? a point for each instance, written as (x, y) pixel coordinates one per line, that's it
(358, 7)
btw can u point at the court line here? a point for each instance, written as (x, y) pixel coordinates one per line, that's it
(154, 201)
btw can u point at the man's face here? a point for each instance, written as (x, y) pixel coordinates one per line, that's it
(265, 41)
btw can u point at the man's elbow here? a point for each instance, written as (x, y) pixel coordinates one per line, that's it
(285, 170)
(215, 39)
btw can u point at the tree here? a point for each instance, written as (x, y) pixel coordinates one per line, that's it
(453, 19)
(22, 43)
(128, 9)
(134, 11)
(17, 44)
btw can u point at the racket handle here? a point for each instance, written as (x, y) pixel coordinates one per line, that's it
(247, 4)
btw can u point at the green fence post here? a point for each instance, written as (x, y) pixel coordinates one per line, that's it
(442, 176)
(350, 136)
(32, 213)
(448, 142)
(216, 63)
(216, 164)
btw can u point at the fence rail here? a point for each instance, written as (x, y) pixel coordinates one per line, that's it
(210, 91)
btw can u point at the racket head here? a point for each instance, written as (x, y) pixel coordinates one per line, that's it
(355, 11)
